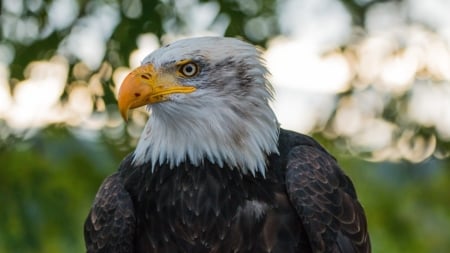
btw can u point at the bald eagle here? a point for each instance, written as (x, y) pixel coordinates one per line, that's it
(213, 171)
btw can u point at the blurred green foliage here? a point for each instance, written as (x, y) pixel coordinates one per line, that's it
(48, 180)
(47, 186)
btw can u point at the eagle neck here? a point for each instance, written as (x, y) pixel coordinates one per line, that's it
(241, 136)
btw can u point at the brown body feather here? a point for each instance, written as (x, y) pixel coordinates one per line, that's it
(304, 203)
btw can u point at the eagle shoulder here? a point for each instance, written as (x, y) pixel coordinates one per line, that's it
(325, 200)
(110, 225)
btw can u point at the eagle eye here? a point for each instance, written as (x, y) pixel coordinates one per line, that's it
(189, 69)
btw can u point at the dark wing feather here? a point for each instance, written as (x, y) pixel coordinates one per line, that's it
(110, 224)
(326, 202)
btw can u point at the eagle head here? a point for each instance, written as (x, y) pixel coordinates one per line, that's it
(209, 99)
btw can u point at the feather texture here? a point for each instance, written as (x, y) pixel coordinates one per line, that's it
(303, 204)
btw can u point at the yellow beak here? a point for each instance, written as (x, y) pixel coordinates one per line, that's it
(145, 86)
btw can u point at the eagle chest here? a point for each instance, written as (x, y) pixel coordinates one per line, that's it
(204, 208)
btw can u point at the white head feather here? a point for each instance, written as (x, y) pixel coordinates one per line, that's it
(227, 120)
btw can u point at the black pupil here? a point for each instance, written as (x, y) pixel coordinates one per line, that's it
(189, 69)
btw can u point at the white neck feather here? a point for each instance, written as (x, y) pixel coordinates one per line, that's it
(210, 131)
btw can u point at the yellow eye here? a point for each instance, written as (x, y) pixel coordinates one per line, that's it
(189, 69)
